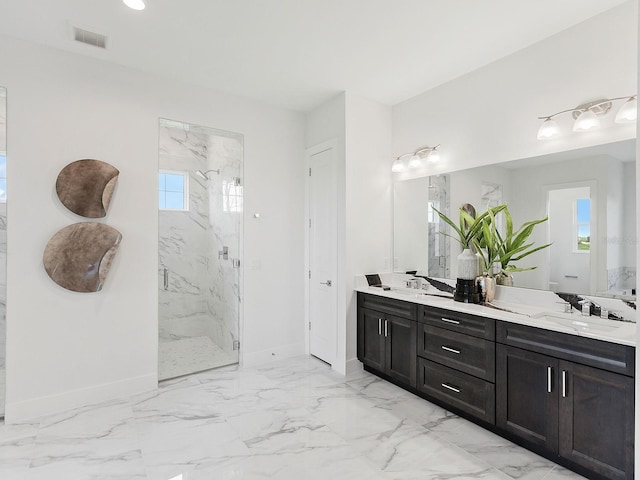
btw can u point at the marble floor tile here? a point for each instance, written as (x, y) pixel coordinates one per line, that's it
(290, 419)
(509, 458)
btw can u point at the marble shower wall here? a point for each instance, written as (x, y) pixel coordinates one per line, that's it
(203, 295)
(183, 241)
(225, 224)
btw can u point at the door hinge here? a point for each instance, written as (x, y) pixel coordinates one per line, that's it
(309, 326)
(309, 273)
(309, 223)
(309, 171)
(236, 344)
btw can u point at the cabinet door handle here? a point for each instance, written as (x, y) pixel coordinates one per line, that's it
(549, 373)
(448, 320)
(452, 350)
(379, 326)
(386, 328)
(449, 387)
(564, 384)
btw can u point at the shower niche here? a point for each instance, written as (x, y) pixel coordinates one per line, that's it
(200, 248)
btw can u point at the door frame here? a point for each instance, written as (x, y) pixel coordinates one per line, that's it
(309, 153)
(594, 257)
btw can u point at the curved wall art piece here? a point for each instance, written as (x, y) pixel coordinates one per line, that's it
(85, 187)
(78, 257)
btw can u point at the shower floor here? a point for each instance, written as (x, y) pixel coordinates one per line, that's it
(189, 355)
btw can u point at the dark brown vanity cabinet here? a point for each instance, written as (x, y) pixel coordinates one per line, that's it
(456, 363)
(569, 396)
(387, 337)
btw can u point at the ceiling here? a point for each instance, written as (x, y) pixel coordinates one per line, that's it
(298, 53)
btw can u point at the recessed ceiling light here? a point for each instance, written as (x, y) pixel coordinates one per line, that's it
(135, 4)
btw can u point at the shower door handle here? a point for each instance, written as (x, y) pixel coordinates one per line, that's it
(166, 279)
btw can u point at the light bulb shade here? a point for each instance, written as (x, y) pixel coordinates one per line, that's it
(398, 166)
(587, 120)
(548, 129)
(134, 4)
(434, 156)
(628, 113)
(415, 161)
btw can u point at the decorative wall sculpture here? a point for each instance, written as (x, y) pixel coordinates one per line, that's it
(79, 256)
(85, 187)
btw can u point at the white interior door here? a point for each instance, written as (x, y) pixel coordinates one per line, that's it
(323, 251)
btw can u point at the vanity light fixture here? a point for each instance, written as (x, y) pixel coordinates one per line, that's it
(586, 116)
(416, 159)
(134, 4)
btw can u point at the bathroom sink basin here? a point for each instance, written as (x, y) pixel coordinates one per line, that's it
(579, 322)
(414, 292)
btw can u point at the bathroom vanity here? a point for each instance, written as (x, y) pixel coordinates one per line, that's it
(562, 389)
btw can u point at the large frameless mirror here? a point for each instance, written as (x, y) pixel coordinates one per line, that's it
(589, 195)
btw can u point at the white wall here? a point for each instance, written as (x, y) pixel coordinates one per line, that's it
(490, 115)
(66, 349)
(368, 201)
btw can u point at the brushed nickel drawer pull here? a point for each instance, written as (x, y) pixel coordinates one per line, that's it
(448, 320)
(564, 384)
(379, 326)
(452, 350)
(454, 389)
(549, 373)
(386, 328)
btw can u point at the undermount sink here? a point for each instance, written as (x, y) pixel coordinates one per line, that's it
(579, 322)
(418, 292)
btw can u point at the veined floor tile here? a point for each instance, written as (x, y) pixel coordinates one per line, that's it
(291, 419)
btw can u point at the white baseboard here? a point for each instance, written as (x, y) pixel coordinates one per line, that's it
(255, 359)
(22, 411)
(353, 366)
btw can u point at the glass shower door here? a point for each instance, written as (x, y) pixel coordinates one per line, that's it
(200, 248)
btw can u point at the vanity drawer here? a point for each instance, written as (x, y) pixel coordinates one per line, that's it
(397, 308)
(458, 322)
(464, 392)
(471, 355)
(587, 351)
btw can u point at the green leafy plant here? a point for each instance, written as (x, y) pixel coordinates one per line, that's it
(511, 246)
(469, 227)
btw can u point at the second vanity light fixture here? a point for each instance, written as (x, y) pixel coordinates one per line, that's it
(415, 159)
(586, 116)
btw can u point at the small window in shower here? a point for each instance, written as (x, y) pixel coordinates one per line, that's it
(173, 190)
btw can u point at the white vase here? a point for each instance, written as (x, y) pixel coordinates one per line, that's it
(468, 265)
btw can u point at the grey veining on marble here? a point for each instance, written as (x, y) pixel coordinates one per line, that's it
(203, 294)
(290, 420)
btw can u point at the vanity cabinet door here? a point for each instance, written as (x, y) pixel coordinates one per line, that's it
(596, 420)
(527, 396)
(371, 340)
(400, 349)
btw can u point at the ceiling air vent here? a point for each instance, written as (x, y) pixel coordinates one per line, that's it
(90, 38)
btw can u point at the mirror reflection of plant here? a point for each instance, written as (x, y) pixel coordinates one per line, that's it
(512, 245)
(495, 247)
(469, 227)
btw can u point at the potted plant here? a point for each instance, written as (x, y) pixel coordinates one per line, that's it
(466, 232)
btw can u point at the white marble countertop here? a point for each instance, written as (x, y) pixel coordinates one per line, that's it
(538, 310)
